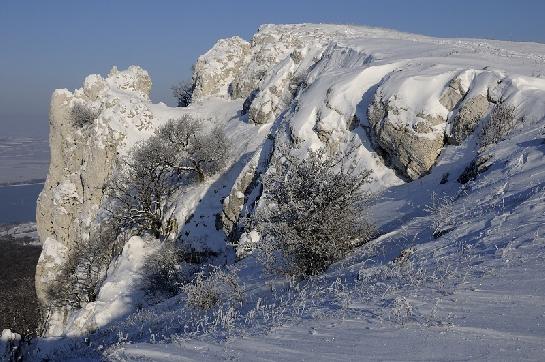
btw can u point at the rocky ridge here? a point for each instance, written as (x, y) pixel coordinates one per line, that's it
(400, 98)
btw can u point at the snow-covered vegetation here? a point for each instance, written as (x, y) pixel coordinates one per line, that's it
(83, 271)
(83, 115)
(146, 179)
(502, 120)
(313, 212)
(395, 180)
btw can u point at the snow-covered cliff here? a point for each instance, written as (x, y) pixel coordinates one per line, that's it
(401, 98)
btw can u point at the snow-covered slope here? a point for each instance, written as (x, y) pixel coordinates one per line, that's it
(414, 107)
(477, 292)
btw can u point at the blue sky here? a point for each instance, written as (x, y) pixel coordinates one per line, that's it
(54, 44)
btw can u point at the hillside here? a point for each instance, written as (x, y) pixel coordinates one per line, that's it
(452, 131)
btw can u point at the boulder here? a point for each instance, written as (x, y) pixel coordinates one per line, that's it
(453, 93)
(470, 113)
(411, 149)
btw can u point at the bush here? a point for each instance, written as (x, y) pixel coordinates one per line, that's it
(82, 115)
(442, 214)
(84, 270)
(197, 152)
(477, 166)
(162, 271)
(313, 212)
(183, 92)
(167, 270)
(501, 122)
(215, 287)
(146, 180)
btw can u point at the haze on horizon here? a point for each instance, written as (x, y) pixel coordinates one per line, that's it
(49, 45)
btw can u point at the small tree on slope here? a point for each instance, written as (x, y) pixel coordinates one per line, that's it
(183, 92)
(314, 212)
(147, 179)
(83, 271)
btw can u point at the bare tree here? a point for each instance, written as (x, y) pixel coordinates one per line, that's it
(142, 185)
(198, 152)
(442, 214)
(146, 180)
(313, 212)
(183, 92)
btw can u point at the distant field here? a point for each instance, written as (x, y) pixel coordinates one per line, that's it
(23, 160)
(18, 302)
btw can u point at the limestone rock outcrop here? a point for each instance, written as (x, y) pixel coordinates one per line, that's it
(82, 158)
(410, 128)
(411, 150)
(267, 71)
(215, 71)
(467, 118)
(234, 203)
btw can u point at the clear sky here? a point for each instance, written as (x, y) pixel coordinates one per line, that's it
(55, 43)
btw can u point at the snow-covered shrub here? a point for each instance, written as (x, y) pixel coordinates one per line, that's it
(209, 289)
(442, 214)
(183, 92)
(145, 181)
(162, 270)
(84, 269)
(501, 122)
(166, 270)
(314, 212)
(477, 166)
(401, 310)
(82, 114)
(198, 152)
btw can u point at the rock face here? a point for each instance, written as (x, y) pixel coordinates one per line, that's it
(411, 150)
(274, 93)
(469, 115)
(82, 158)
(215, 70)
(417, 109)
(234, 203)
(411, 131)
